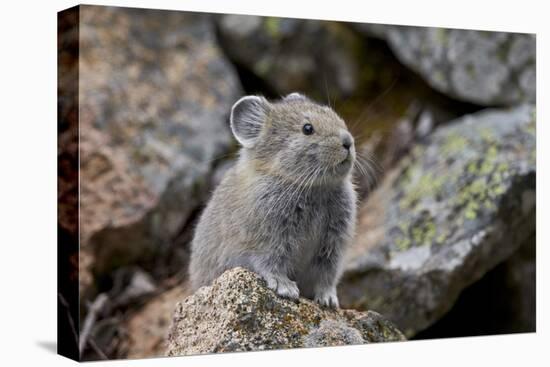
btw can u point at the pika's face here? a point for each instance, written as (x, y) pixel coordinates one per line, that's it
(294, 138)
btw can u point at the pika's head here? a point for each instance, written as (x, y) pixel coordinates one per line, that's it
(293, 138)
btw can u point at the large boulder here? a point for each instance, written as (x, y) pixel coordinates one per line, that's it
(453, 209)
(239, 313)
(155, 93)
(322, 59)
(487, 68)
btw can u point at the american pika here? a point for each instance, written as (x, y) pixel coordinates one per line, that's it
(286, 209)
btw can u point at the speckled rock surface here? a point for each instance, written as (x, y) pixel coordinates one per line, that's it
(453, 209)
(239, 313)
(155, 93)
(487, 68)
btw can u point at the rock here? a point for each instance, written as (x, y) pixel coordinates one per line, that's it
(502, 302)
(486, 68)
(449, 212)
(147, 327)
(130, 286)
(239, 313)
(155, 94)
(314, 57)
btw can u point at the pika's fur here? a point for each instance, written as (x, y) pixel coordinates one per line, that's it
(286, 210)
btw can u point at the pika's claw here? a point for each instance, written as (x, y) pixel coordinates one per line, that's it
(283, 286)
(327, 298)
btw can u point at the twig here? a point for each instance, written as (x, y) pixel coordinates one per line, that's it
(69, 317)
(95, 308)
(97, 349)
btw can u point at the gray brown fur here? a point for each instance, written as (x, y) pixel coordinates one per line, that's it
(286, 210)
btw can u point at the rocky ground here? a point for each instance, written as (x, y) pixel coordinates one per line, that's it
(449, 211)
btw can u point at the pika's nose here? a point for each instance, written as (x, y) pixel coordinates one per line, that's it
(347, 140)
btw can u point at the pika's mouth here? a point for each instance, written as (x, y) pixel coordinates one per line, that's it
(346, 160)
(349, 157)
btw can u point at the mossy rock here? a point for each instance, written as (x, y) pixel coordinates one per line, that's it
(239, 313)
(453, 209)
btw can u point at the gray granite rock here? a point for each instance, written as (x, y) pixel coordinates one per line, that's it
(239, 313)
(314, 57)
(155, 94)
(453, 209)
(487, 68)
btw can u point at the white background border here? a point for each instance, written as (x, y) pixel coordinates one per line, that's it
(28, 156)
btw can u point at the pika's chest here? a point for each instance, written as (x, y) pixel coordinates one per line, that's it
(299, 218)
(304, 222)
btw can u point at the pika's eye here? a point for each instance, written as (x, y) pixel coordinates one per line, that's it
(307, 129)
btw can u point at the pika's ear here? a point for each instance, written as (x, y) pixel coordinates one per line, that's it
(247, 117)
(295, 96)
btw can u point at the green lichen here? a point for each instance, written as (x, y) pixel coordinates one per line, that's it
(470, 212)
(502, 167)
(486, 167)
(454, 144)
(272, 26)
(424, 233)
(463, 190)
(442, 237)
(498, 190)
(489, 205)
(403, 243)
(532, 125)
(487, 184)
(427, 185)
(486, 135)
(485, 179)
(492, 152)
(442, 36)
(421, 233)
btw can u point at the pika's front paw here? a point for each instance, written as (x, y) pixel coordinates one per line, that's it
(327, 298)
(283, 286)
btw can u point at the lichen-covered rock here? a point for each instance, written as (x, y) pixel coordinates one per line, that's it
(487, 68)
(155, 92)
(239, 313)
(453, 209)
(317, 58)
